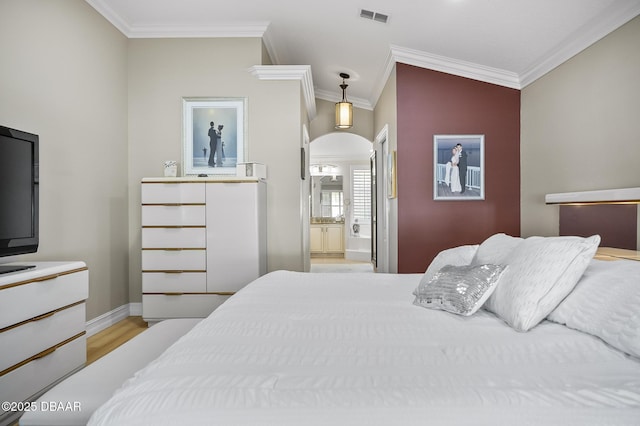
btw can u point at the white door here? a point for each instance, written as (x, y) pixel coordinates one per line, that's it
(382, 203)
(233, 255)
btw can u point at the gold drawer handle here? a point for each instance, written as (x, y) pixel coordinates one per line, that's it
(173, 249)
(45, 353)
(48, 278)
(43, 316)
(173, 294)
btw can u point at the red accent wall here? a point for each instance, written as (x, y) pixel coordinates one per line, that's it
(430, 103)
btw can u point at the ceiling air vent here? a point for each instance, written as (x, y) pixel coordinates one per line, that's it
(374, 16)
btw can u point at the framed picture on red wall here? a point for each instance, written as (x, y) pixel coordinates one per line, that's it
(458, 167)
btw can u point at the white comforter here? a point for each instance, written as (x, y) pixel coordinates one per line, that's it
(352, 349)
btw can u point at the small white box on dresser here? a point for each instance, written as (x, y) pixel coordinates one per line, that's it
(255, 170)
(42, 329)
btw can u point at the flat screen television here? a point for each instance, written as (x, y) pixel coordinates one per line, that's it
(19, 233)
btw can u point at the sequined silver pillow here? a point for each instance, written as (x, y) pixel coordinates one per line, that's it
(458, 289)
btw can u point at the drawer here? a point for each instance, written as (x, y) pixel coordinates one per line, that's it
(174, 238)
(160, 306)
(179, 215)
(31, 338)
(45, 294)
(173, 193)
(24, 382)
(181, 282)
(174, 260)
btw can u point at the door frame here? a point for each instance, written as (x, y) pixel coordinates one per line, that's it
(381, 147)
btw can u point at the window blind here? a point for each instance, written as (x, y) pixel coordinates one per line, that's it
(361, 181)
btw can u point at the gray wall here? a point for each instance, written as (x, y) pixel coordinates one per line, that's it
(161, 73)
(109, 112)
(64, 77)
(580, 127)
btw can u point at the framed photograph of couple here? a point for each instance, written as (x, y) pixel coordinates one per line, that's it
(458, 167)
(214, 135)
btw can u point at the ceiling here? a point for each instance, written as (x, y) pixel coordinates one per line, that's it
(505, 42)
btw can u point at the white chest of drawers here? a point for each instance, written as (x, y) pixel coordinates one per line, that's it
(202, 240)
(42, 329)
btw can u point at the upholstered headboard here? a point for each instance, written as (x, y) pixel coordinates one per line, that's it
(613, 214)
(617, 224)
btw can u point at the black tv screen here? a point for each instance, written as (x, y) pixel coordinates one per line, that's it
(18, 192)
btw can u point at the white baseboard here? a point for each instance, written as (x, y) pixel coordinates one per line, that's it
(106, 320)
(135, 309)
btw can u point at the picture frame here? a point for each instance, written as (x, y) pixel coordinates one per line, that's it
(392, 175)
(204, 154)
(452, 168)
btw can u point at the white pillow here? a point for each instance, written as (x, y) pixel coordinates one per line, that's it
(458, 289)
(542, 271)
(457, 256)
(606, 304)
(495, 249)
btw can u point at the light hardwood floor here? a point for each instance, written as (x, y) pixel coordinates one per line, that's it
(110, 338)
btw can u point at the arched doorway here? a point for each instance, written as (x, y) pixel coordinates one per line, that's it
(340, 228)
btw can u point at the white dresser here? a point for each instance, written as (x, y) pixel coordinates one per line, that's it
(42, 330)
(202, 240)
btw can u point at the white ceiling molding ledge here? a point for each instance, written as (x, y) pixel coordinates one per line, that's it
(622, 195)
(290, 72)
(455, 67)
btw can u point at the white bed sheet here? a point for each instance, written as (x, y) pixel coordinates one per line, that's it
(352, 349)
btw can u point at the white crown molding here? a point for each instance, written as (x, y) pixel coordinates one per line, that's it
(582, 39)
(244, 29)
(269, 44)
(383, 78)
(336, 97)
(455, 67)
(444, 64)
(101, 7)
(290, 72)
(251, 29)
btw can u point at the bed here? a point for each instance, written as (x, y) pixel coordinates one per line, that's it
(386, 349)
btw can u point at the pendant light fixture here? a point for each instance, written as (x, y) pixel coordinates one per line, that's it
(344, 109)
